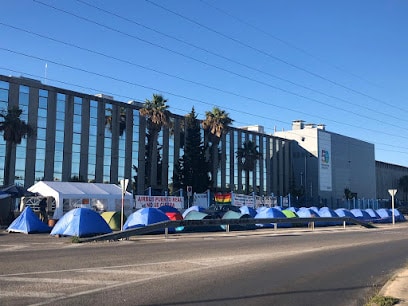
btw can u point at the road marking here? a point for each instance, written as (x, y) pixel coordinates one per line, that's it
(32, 294)
(59, 280)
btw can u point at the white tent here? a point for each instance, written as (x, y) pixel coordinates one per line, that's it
(70, 195)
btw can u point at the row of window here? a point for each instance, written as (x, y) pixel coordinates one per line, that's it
(63, 142)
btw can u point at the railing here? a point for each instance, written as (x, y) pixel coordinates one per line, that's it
(165, 225)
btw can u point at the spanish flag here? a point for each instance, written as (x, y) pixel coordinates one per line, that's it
(223, 198)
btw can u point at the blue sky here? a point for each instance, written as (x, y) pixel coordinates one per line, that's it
(340, 63)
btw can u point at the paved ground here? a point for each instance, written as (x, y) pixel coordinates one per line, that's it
(396, 287)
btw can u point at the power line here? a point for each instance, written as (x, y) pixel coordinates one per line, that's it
(225, 70)
(285, 42)
(273, 56)
(294, 132)
(182, 96)
(194, 82)
(132, 98)
(240, 63)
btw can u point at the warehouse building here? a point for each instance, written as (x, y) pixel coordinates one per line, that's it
(326, 164)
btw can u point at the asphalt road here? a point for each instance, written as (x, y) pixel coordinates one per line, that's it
(262, 267)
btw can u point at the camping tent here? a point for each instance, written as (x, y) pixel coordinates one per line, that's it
(343, 212)
(361, 214)
(81, 222)
(27, 223)
(171, 212)
(305, 212)
(193, 208)
(327, 212)
(236, 215)
(114, 219)
(289, 213)
(271, 213)
(397, 215)
(70, 195)
(145, 216)
(248, 210)
(373, 214)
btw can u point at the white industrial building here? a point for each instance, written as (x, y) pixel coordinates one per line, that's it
(326, 163)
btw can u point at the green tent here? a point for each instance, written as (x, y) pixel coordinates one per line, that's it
(113, 218)
(289, 214)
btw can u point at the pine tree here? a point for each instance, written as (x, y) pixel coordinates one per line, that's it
(193, 169)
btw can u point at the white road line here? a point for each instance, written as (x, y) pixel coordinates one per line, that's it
(58, 281)
(33, 294)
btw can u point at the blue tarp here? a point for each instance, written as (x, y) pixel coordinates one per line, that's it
(145, 216)
(81, 222)
(28, 222)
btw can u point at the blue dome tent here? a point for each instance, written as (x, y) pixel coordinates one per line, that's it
(145, 216)
(271, 213)
(81, 222)
(327, 212)
(248, 210)
(361, 215)
(27, 223)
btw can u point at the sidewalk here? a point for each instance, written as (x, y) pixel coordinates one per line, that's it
(397, 287)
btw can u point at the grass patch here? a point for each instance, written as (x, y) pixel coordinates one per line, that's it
(379, 300)
(75, 239)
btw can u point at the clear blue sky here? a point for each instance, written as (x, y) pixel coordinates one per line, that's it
(340, 63)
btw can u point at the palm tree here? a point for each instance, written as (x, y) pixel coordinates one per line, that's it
(216, 124)
(14, 130)
(122, 120)
(157, 115)
(248, 155)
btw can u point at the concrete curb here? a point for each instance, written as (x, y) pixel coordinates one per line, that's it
(397, 287)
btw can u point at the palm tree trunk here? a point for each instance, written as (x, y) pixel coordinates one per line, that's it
(9, 147)
(214, 165)
(153, 161)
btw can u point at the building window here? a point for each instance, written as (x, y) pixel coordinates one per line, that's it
(107, 151)
(4, 92)
(93, 123)
(76, 139)
(41, 135)
(59, 137)
(22, 148)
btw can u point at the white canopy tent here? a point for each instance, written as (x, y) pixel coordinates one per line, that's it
(70, 195)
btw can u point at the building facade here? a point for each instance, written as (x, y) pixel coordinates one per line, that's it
(93, 138)
(327, 164)
(388, 177)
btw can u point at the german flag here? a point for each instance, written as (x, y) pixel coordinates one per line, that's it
(223, 198)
